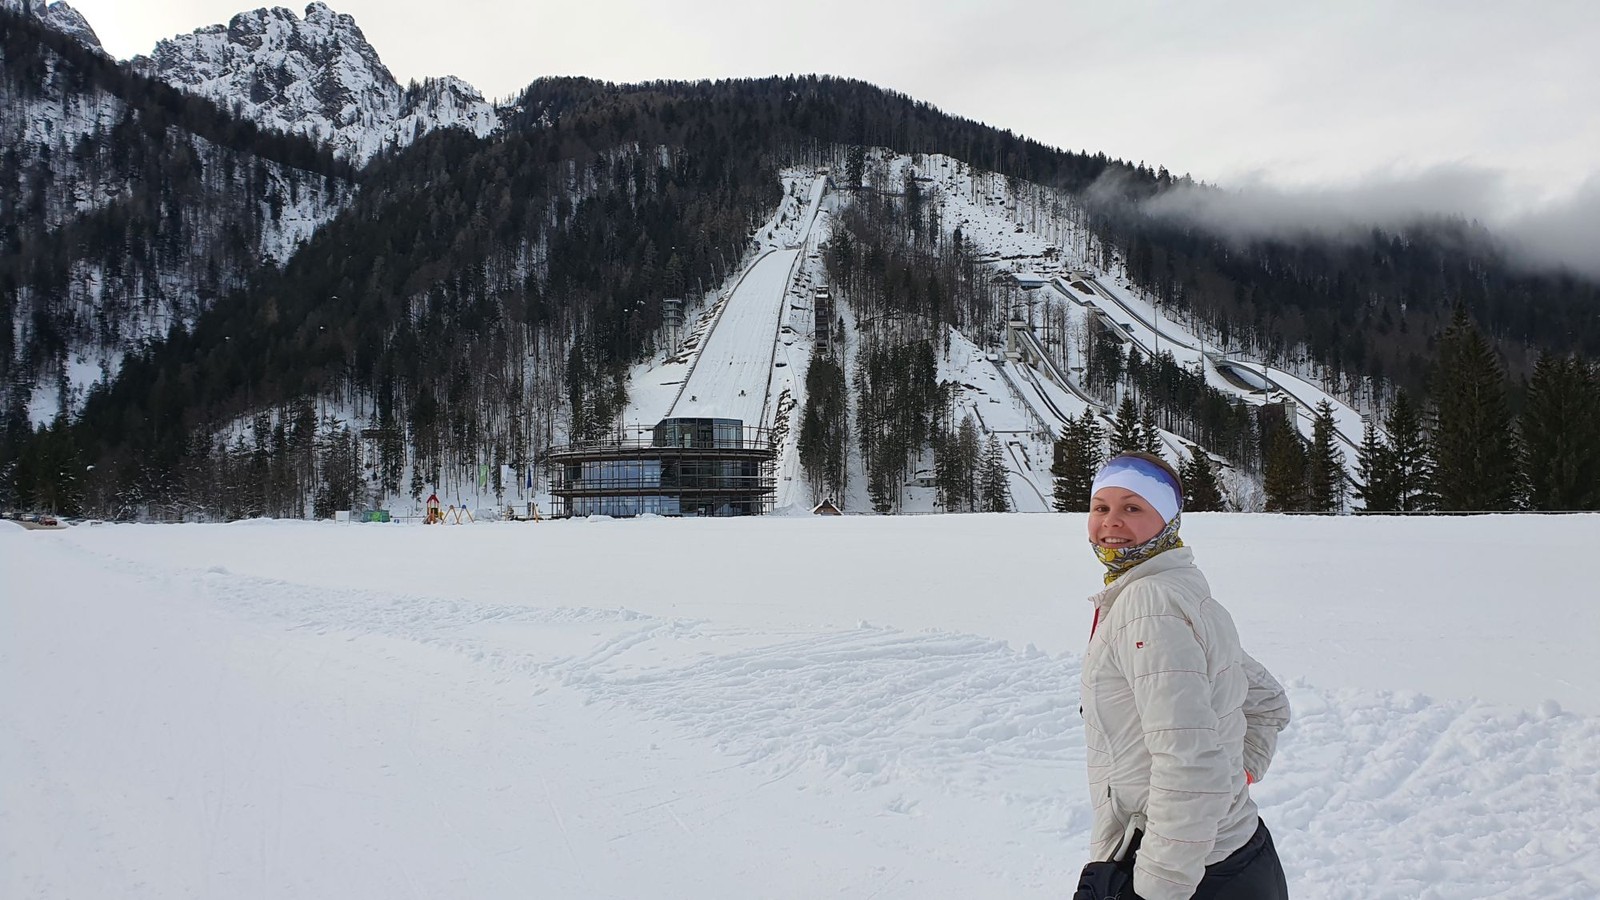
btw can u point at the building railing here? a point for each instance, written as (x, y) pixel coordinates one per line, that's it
(647, 437)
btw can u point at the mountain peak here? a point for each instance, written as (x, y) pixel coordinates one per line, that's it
(320, 13)
(316, 76)
(58, 16)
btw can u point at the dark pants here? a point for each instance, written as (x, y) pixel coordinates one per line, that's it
(1252, 872)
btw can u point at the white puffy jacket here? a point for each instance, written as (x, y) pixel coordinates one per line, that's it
(1175, 713)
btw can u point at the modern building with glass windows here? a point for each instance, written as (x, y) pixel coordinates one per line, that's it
(681, 467)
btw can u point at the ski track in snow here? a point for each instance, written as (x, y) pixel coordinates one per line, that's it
(1411, 797)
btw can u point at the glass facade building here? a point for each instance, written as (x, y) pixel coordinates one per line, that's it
(703, 433)
(681, 467)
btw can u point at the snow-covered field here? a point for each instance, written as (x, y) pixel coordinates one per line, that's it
(780, 707)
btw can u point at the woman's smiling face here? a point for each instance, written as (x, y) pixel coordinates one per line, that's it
(1121, 518)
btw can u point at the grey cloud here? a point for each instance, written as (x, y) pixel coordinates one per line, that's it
(1258, 210)
(1565, 234)
(1559, 234)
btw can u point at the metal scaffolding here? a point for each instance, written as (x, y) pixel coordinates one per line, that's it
(680, 467)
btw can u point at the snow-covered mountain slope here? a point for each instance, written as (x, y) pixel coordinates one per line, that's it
(1021, 384)
(762, 322)
(317, 77)
(146, 226)
(58, 16)
(1056, 285)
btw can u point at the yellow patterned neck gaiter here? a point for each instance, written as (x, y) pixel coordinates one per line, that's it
(1119, 560)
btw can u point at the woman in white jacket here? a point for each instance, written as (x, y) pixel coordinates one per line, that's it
(1178, 719)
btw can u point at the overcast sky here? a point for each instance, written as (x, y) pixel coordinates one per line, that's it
(1491, 109)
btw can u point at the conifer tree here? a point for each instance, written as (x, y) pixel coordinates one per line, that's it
(1201, 492)
(1409, 461)
(58, 468)
(340, 486)
(16, 483)
(994, 478)
(1077, 457)
(1067, 451)
(1149, 433)
(1325, 464)
(1377, 487)
(1474, 448)
(1094, 438)
(878, 491)
(944, 471)
(417, 483)
(1561, 430)
(824, 437)
(969, 452)
(1285, 475)
(955, 463)
(855, 166)
(1126, 437)
(812, 448)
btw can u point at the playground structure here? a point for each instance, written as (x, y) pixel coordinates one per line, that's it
(448, 515)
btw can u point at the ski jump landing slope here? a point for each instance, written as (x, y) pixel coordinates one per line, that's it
(1131, 319)
(730, 376)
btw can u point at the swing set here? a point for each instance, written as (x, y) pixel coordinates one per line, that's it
(449, 515)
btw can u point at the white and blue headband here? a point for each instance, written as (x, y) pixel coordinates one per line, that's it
(1144, 478)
